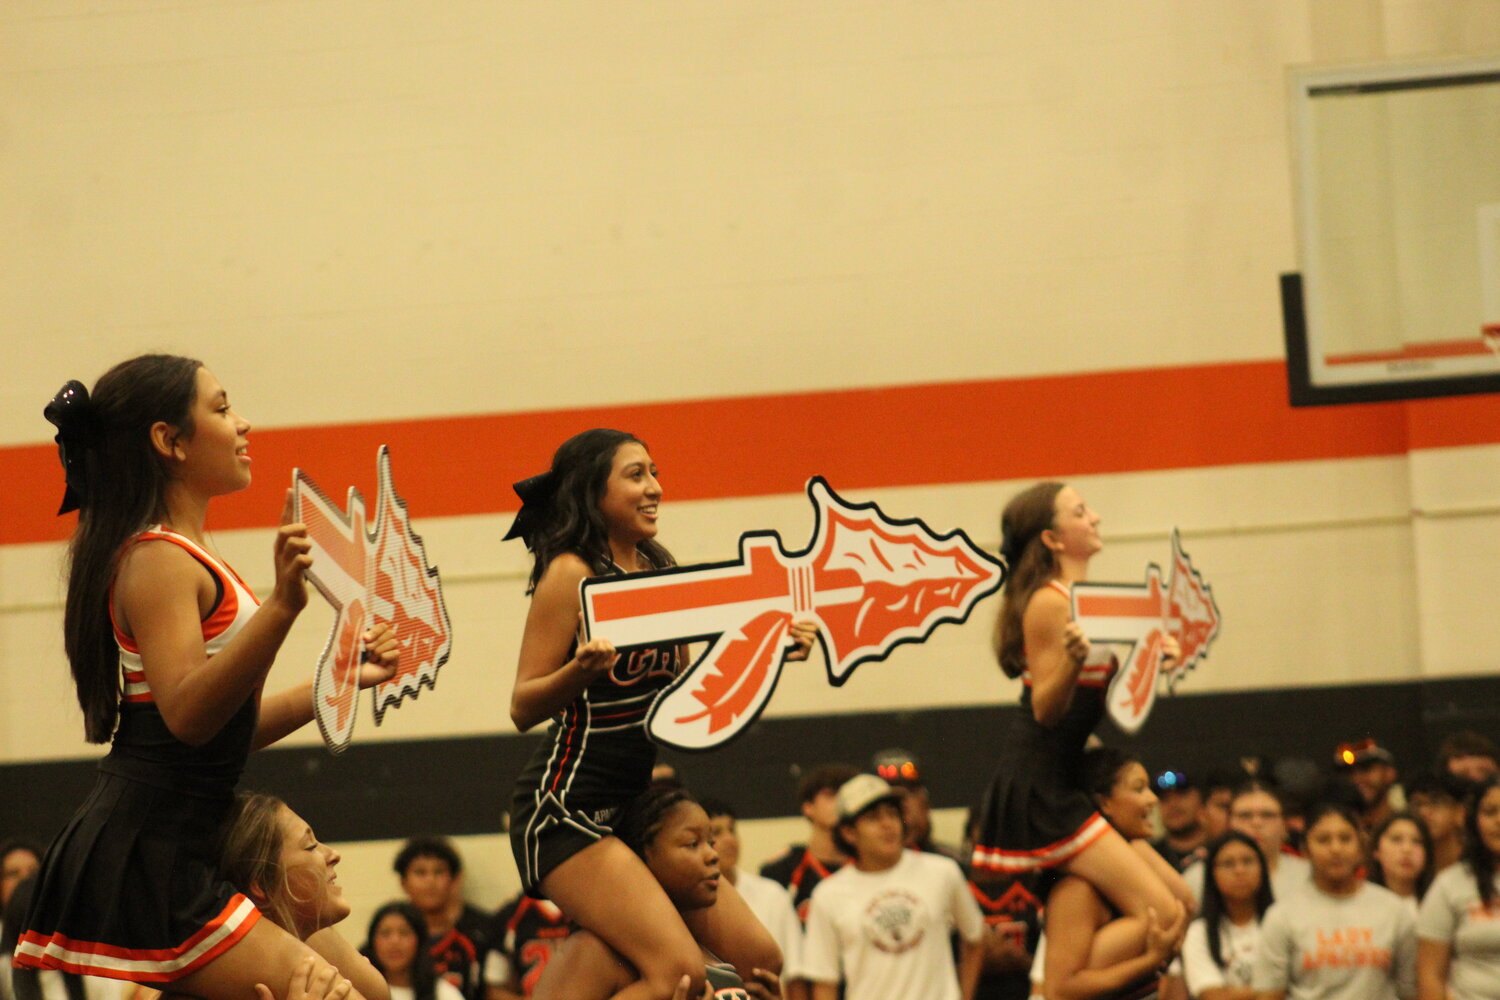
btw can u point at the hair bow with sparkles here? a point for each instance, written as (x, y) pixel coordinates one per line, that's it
(78, 430)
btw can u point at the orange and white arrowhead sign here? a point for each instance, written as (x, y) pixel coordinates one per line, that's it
(370, 573)
(1140, 616)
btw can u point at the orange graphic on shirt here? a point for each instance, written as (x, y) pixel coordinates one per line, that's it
(1346, 948)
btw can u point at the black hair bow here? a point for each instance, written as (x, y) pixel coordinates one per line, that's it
(536, 498)
(78, 430)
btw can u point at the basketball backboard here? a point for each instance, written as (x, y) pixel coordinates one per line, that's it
(1397, 194)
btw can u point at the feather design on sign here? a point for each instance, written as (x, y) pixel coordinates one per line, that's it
(1192, 614)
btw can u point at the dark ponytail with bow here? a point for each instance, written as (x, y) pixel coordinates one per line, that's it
(118, 484)
(1030, 563)
(560, 508)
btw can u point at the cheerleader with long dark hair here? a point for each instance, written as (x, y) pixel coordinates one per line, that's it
(594, 513)
(169, 651)
(1089, 953)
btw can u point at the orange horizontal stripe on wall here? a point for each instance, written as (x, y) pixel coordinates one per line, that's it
(1062, 425)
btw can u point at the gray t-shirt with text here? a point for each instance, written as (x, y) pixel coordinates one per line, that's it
(1314, 946)
(1451, 913)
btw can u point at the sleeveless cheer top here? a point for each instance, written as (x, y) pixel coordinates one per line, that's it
(129, 890)
(144, 749)
(1036, 813)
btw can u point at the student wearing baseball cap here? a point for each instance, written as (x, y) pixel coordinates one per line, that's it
(1371, 769)
(1180, 803)
(881, 923)
(901, 770)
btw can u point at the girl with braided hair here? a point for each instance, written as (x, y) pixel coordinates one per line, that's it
(670, 832)
(169, 651)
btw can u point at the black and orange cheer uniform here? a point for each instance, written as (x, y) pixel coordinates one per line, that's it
(596, 757)
(1012, 907)
(1036, 813)
(128, 889)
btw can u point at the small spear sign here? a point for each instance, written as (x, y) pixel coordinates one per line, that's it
(1140, 616)
(370, 574)
(871, 583)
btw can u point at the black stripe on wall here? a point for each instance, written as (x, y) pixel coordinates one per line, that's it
(384, 791)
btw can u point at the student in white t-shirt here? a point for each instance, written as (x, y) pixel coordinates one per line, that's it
(1219, 953)
(1339, 938)
(1458, 928)
(768, 900)
(882, 922)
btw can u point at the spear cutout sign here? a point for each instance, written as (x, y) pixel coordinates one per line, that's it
(871, 583)
(1140, 616)
(370, 574)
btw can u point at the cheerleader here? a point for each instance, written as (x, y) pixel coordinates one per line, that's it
(1089, 953)
(673, 837)
(169, 651)
(273, 856)
(595, 514)
(1037, 813)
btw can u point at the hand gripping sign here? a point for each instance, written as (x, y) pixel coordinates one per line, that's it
(1141, 616)
(370, 574)
(870, 582)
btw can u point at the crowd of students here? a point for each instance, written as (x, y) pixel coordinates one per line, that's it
(1363, 886)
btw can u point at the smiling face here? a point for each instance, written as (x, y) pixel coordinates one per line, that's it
(1335, 851)
(1130, 802)
(308, 868)
(213, 458)
(395, 943)
(878, 836)
(683, 858)
(1075, 527)
(632, 496)
(1400, 851)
